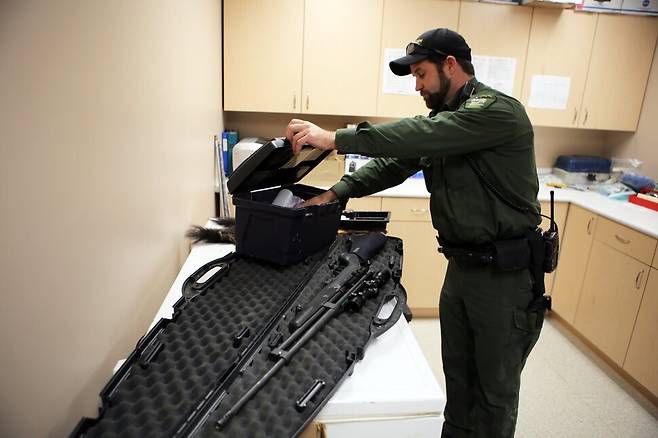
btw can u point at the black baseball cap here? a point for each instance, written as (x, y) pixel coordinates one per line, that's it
(440, 42)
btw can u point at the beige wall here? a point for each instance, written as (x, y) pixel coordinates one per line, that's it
(643, 144)
(107, 113)
(549, 142)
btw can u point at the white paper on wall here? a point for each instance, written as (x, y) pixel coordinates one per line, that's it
(495, 71)
(549, 92)
(393, 84)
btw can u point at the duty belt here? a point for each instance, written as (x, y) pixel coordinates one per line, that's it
(507, 255)
(468, 256)
(526, 252)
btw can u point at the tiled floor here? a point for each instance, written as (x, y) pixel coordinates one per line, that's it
(565, 390)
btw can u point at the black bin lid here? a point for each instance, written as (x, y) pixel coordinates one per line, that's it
(273, 165)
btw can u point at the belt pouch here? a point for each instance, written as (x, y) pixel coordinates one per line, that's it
(512, 255)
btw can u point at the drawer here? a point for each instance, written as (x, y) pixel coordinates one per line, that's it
(408, 209)
(367, 203)
(630, 242)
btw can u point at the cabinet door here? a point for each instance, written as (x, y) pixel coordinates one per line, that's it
(367, 203)
(404, 20)
(642, 358)
(610, 299)
(497, 30)
(576, 243)
(341, 55)
(423, 267)
(263, 55)
(560, 219)
(560, 45)
(327, 173)
(618, 72)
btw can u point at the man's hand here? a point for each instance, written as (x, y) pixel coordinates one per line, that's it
(324, 198)
(301, 132)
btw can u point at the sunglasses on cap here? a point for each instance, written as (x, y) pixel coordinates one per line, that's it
(413, 47)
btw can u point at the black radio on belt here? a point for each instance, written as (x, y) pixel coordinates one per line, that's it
(551, 242)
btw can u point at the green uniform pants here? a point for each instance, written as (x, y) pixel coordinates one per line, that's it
(486, 336)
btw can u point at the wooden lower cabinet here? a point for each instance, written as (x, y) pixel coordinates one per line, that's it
(423, 267)
(367, 203)
(576, 241)
(610, 299)
(642, 357)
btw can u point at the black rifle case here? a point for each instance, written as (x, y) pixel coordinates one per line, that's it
(186, 373)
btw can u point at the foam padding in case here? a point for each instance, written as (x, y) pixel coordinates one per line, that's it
(176, 364)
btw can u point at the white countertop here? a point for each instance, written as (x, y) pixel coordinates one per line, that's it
(634, 216)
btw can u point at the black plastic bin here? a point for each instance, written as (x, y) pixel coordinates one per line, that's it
(278, 234)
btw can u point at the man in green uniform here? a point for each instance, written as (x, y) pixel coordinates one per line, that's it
(475, 142)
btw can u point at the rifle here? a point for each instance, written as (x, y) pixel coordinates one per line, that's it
(352, 265)
(320, 312)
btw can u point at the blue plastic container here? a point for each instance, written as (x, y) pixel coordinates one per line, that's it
(583, 163)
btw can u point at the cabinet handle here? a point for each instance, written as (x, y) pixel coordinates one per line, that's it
(418, 210)
(307, 99)
(575, 116)
(589, 225)
(638, 279)
(586, 114)
(294, 101)
(622, 240)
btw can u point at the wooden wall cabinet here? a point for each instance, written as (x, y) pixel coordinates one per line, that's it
(403, 21)
(576, 242)
(295, 56)
(560, 44)
(497, 30)
(341, 46)
(607, 58)
(642, 357)
(263, 55)
(618, 72)
(424, 268)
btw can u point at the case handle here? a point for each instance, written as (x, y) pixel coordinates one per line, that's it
(380, 325)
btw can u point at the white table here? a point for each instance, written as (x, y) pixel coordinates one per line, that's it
(391, 394)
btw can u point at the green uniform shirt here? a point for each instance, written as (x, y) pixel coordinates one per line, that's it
(490, 127)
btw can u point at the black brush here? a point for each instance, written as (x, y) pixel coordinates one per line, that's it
(224, 221)
(225, 234)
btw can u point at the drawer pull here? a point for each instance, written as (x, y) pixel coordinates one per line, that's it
(575, 116)
(622, 240)
(589, 225)
(419, 210)
(638, 279)
(294, 101)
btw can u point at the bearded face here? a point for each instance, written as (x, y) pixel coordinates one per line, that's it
(435, 97)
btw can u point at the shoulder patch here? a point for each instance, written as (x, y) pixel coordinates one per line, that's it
(479, 102)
